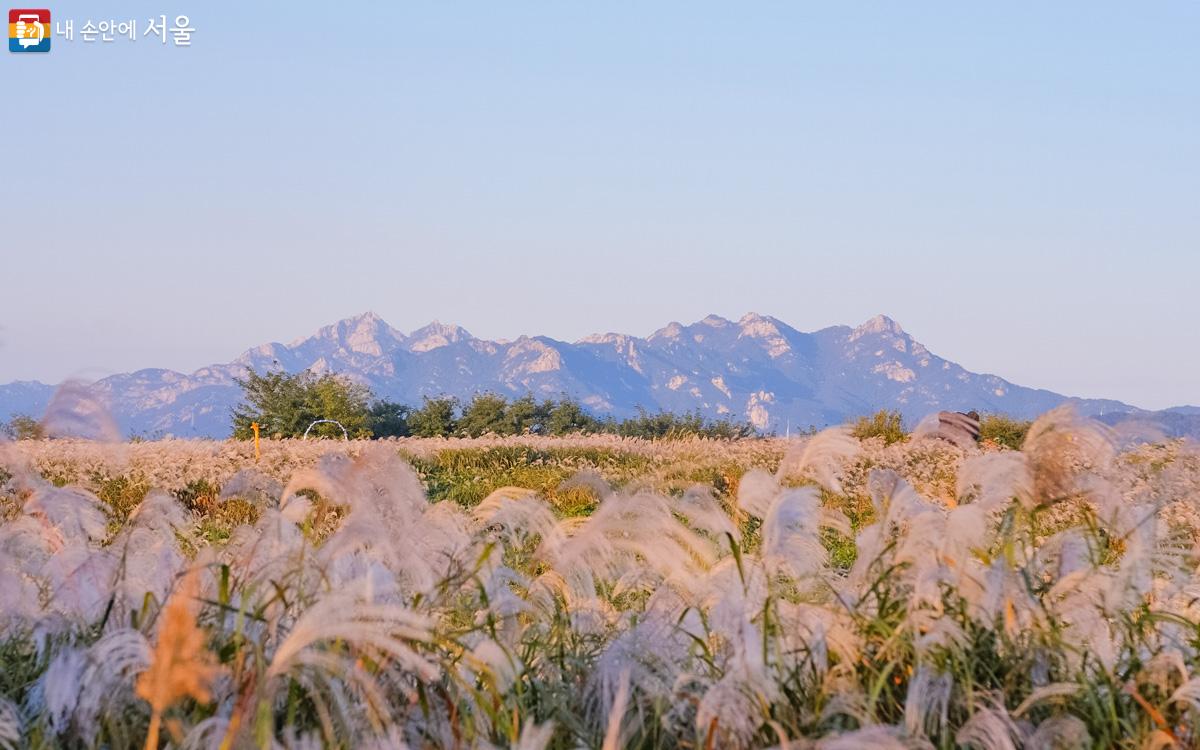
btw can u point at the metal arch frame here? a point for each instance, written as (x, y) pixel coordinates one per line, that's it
(345, 434)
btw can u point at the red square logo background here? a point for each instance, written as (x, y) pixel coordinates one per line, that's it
(43, 14)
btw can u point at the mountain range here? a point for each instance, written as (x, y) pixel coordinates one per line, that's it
(756, 369)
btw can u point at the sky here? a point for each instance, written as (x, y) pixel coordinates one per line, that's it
(1017, 185)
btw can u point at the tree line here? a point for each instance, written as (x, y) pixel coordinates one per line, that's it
(285, 405)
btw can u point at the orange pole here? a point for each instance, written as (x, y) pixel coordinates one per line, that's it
(257, 450)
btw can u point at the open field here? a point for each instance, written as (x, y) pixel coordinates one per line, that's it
(602, 592)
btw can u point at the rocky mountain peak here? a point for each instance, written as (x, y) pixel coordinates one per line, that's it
(672, 330)
(757, 368)
(436, 335)
(754, 324)
(366, 333)
(878, 325)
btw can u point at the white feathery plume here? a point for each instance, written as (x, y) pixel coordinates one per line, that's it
(415, 568)
(1189, 695)
(392, 739)
(919, 538)
(1161, 670)
(1059, 732)
(57, 690)
(29, 543)
(612, 733)
(936, 632)
(150, 561)
(74, 513)
(1082, 608)
(990, 728)
(76, 410)
(734, 707)
(629, 532)
(389, 516)
(81, 582)
(816, 632)
(113, 663)
(272, 541)
(733, 596)
(703, 513)
(160, 512)
(869, 738)
(1060, 448)
(822, 457)
(1045, 693)
(377, 480)
(535, 736)
(1006, 601)
(791, 534)
(513, 514)
(756, 491)
(590, 480)
(967, 529)
(253, 486)
(489, 658)
(730, 711)
(347, 615)
(927, 705)
(21, 597)
(993, 480)
(207, 734)
(894, 499)
(651, 654)
(11, 725)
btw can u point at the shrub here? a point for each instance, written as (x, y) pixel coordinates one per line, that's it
(199, 495)
(122, 494)
(885, 424)
(1003, 430)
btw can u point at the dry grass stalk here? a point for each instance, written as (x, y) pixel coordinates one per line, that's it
(183, 667)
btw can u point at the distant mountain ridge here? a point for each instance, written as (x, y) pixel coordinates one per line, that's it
(756, 368)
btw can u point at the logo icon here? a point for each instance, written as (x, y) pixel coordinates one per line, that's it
(29, 30)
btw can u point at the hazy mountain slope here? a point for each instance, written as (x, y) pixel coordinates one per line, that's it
(24, 397)
(757, 368)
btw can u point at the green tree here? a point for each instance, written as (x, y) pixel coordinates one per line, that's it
(435, 418)
(525, 415)
(284, 405)
(486, 413)
(567, 417)
(389, 419)
(664, 424)
(344, 401)
(23, 427)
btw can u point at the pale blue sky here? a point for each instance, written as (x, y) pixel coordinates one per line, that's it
(1018, 185)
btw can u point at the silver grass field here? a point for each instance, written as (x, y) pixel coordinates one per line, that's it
(594, 592)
